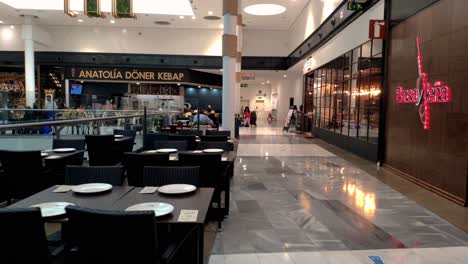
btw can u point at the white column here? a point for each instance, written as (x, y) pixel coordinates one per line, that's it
(230, 10)
(67, 93)
(238, 64)
(29, 68)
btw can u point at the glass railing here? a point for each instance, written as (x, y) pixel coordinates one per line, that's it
(28, 129)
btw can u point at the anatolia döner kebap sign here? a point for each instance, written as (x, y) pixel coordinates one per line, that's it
(128, 74)
(424, 94)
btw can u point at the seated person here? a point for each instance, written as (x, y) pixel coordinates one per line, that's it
(202, 118)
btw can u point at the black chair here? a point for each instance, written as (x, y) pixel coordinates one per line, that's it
(97, 237)
(125, 145)
(78, 144)
(102, 150)
(23, 174)
(218, 133)
(191, 139)
(214, 138)
(23, 236)
(127, 133)
(135, 162)
(75, 175)
(179, 145)
(159, 176)
(212, 175)
(150, 138)
(191, 132)
(224, 145)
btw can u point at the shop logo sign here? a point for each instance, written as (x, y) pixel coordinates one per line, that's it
(424, 94)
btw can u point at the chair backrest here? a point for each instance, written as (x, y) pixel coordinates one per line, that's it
(179, 145)
(78, 144)
(214, 138)
(151, 137)
(112, 237)
(75, 175)
(159, 176)
(191, 139)
(20, 167)
(224, 145)
(191, 132)
(127, 133)
(23, 236)
(134, 163)
(102, 150)
(210, 166)
(218, 133)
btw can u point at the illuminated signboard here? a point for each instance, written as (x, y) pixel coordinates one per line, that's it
(424, 94)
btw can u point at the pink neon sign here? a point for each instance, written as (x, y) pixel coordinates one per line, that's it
(424, 94)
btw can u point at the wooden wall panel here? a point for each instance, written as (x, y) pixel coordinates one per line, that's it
(436, 159)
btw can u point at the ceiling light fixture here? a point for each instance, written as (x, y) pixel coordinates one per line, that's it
(265, 9)
(285, 76)
(194, 17)
(181, 17)
(1, 21)
(12, 27)
(80, 20)
(210, 13)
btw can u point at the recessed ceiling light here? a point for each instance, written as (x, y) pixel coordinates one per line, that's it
(263, 83)
(162, 23)
(112, 21)
(80, 20)
(181, 17)
(199, 86)
(265, 9)
(1, 22)
(194, 17)
(137, 83)
(124, 30)
(210, 13)
(12, 27)
(212, 18)
(178, 84)
(285, 76)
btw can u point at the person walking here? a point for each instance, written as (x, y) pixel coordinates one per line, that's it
(247, 116)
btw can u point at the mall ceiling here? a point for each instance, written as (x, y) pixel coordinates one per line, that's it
(201, 9)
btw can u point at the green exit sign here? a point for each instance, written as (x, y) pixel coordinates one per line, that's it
(244, 85)
(353, 6)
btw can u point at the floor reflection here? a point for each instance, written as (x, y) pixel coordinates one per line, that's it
(364, 201)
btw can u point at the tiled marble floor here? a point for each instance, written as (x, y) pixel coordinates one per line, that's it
(302, 204)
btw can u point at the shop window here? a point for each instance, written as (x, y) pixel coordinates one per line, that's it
(377, 48)
(366, 50)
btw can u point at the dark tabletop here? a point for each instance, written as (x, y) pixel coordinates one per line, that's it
(121, 139)
(103, 201)
(60, 155)
(122, 197)
(199, 200)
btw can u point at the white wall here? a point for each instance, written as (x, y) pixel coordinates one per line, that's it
(285, 89)
(309, 20)
(265, 43)
(353, 36)
(146, 40)
(250, 93)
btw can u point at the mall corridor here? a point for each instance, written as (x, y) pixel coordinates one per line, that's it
(297, 200)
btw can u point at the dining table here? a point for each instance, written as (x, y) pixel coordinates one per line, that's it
(119, 198)
(227, 160)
